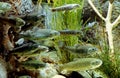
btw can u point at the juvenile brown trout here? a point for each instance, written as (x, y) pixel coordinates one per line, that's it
(37, 34)
(65, 7)
(33, 64)
(81, 64)
(29, 49)
(80, 49)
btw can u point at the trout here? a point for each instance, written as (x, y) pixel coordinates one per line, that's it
(80, 49)
(81, 64)
(65, 7)
(39, 34)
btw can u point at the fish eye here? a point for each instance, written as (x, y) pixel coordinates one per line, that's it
(92, 49)
(51, 34)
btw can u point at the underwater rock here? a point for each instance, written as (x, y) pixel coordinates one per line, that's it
(4, 7)
(97, 74)
(90, 33)
(24, 6)
(65, 7)
(58, 76)
(37, 34)
(48, 72)
(85, 74)
(93, 74)
(3, 70)
(49, 57)
(81, 64)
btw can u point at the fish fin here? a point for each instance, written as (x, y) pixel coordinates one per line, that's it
(77, 45)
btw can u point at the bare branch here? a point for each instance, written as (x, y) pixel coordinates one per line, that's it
(116, 22)
(108, 18)
(96, 10)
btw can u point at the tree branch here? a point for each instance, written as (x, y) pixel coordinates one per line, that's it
(116, 22)
(108, 18)
(96, 10)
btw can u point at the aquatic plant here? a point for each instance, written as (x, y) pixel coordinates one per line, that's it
(64, 20)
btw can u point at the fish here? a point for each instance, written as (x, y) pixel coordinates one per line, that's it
(65, 7)
(79, 49)
(70, 32)
(4, 7)
(81, 64)
(37, 34)
(29, 49)
(33, 64)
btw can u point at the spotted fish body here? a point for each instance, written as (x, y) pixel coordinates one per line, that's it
(81, 64)
(30, 49)
(40, 34)
(65, 7)
(4, 7)
(81, 50)
(33, 64)
(70, 32)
